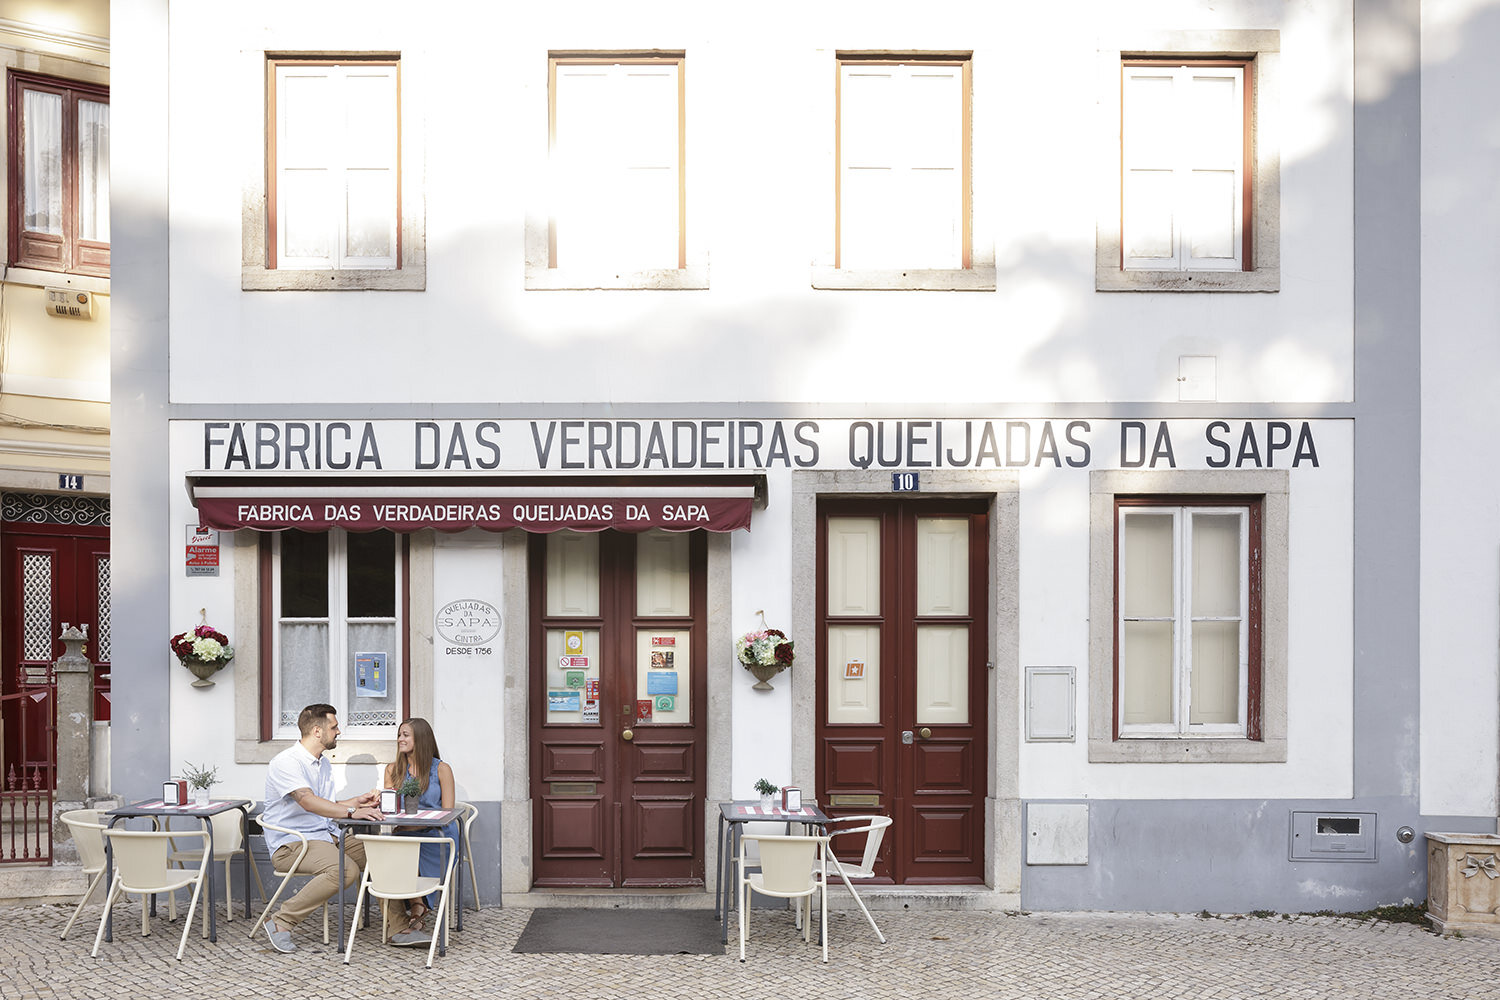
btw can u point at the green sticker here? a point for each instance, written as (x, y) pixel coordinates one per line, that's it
(575, 678)
(666, 703)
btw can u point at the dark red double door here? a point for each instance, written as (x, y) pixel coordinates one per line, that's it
(618, 748)
(903, 681)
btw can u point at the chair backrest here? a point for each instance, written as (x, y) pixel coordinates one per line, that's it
(469, 812)
(786, 862)
(392, 862)
(141, 857)
(226, 832)
(88, 835)
(874, 828)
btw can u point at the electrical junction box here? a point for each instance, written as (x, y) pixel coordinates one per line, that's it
(70, 303)
(1332, 836)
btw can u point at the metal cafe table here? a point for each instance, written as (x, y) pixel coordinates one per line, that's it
(427, 819)
(732, 819)
(156, 809)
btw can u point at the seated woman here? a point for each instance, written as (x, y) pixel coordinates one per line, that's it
(417, 755)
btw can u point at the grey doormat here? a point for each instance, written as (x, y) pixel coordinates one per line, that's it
(561, 930)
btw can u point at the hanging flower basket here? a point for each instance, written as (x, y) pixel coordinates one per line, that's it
(765, 654)
(203, 650)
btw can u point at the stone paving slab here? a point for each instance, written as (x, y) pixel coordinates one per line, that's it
(953, 955)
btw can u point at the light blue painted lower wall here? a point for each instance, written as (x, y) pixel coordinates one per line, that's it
(1233, 857)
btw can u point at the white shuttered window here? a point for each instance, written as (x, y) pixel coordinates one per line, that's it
(616, 165)
(902, 173)
(1183, 639)
(337, 165)
(1184, 163)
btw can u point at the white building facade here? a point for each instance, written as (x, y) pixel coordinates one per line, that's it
(1053, 377)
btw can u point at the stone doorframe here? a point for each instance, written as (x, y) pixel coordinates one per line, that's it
(1002, 829)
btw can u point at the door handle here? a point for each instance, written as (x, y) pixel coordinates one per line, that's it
(628, 735)
(925, 733)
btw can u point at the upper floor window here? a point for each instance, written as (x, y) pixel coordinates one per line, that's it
(335, 194)
(902, 180)
(338, 204)
(618, 200)
(1185, 159)
(1189, 164)
(59, 174)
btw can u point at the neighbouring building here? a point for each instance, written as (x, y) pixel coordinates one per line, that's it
(1097, 394)
(54, 404)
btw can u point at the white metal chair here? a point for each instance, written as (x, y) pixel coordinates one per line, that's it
(88, 836)
(470, 813)
(286, 876)
(847, 826)
(790, 868)
(141, 868)
(391, 873)
(228, 845)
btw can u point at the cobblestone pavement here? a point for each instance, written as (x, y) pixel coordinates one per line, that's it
(954, 955)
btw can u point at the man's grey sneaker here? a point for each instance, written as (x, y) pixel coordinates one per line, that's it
(411, 939)
(281, 939)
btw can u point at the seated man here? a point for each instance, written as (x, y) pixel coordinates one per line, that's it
(299, 796)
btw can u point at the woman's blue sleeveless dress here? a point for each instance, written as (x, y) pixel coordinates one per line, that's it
(433, 855)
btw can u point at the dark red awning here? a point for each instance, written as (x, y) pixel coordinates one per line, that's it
(403, 504)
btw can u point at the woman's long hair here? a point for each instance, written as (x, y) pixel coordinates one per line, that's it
(424, 750)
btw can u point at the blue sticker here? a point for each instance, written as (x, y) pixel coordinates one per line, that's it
(661, 682)
(564, 701)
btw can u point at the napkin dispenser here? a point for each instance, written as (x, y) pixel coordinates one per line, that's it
(174, 792)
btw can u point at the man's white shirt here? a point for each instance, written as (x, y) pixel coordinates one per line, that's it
(290, 770)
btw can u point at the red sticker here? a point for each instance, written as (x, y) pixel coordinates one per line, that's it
(642, 711)
(663, 640)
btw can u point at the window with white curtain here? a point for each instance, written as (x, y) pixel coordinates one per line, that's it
(1186, 174)
(59, 174)
(336, 597)
(903, 164)
(617, 200)
(1184, 619)
(335, 177)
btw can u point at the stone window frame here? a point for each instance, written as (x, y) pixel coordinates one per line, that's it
(411, 274)
(249, 748)
(692, 275)
(1273, 487)
(980, 275)
(1262, 48)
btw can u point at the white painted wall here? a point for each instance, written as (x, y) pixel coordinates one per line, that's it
(1460, 641)
(760, 113)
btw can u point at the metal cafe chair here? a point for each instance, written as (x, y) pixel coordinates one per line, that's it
(287, 875)
(391, 873)
(847, 826)
(790, 868)
(88, 836)
(142, 868)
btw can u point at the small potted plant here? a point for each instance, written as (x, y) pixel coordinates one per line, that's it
(201, 778)
(766, 790)
(411, 790)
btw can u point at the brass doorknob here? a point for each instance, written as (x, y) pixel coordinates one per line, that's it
(925, 733)
(628, 735)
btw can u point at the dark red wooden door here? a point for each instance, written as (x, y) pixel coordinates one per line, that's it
(902, 645)
(618, 787)
(50, 578)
